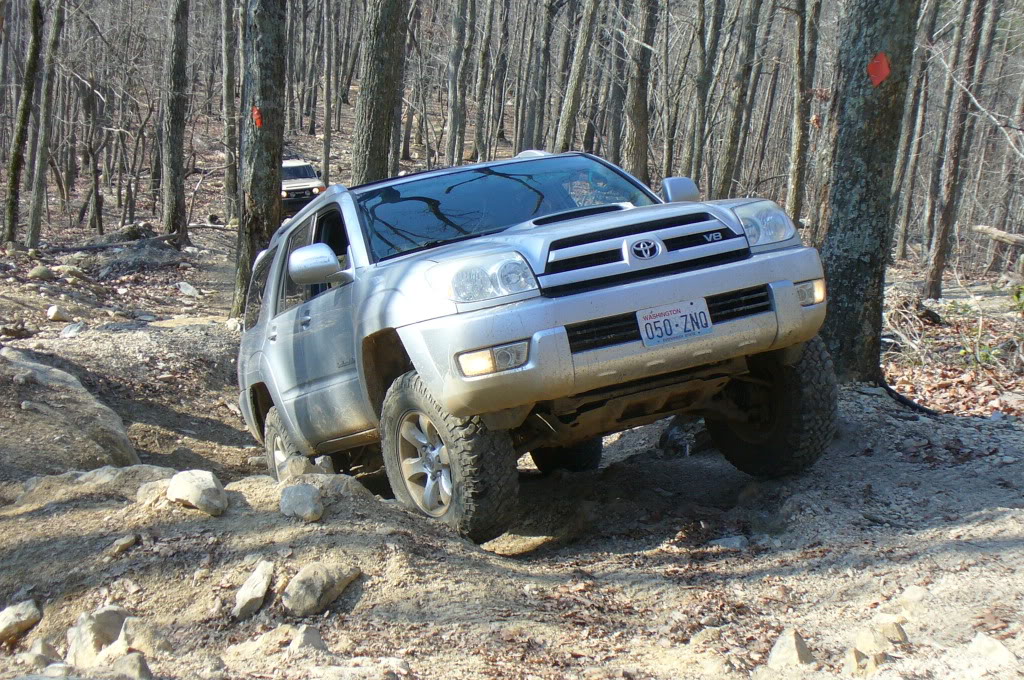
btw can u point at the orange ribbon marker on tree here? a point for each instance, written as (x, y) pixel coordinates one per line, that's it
(879, 69)
(257, 116)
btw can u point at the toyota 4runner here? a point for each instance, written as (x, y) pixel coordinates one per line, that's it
(450, 321)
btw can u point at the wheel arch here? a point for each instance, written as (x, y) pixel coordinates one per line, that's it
(260, 403)
(384, 359)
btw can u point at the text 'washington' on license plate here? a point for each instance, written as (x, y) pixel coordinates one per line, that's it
(677, 321)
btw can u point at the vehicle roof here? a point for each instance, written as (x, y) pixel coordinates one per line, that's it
(461, 168)
(291, 162)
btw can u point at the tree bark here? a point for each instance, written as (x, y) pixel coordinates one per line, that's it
(228, 52)
(637, 143)
(329, 38)
(16, 158)
(176, 101)
(380, 86)
(867, 120)
(574, 88)
(804, 58)
(262, 136)
(35, 215)
(951, 167)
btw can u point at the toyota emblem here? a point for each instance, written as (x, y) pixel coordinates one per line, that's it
(645, 249)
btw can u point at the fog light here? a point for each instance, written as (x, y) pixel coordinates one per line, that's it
(494, 359)
(811, 292)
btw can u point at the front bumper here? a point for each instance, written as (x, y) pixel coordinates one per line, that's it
(553, 371)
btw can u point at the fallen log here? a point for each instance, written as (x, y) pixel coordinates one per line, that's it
(1000, 235)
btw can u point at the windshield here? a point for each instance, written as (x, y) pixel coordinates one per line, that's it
(297, 172)
(419, 213)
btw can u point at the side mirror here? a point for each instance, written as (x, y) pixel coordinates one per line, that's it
(320, 173)
(680, 190)
(317, 263)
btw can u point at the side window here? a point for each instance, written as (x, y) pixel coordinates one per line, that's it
(257, 286)
(330, 229)
(292, 293)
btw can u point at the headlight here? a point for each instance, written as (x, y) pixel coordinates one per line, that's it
(483, 278)
(316, 190)
(765, 222)
(284, 194)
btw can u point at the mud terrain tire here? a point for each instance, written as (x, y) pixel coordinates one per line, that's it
(580, 457)
(277, 443)
(801, 421)
(453, 469)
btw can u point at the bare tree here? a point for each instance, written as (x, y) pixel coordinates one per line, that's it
(35, 215)
(867, 118)
(574, 88)
(637, 142)
(228, 52)
(380, 85)
(175, 102)
(16, 162)
(262, 136)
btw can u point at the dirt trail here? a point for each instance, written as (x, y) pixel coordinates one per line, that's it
(618, 573)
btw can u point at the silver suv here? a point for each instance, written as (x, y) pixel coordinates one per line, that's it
(448, 322)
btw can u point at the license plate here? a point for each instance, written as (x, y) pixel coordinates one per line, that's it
(671, 323)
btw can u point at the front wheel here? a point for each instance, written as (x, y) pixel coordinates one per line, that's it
(452, 469)
(792, 414)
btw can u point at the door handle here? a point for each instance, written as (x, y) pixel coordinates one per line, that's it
(304, 321)
(272, 335)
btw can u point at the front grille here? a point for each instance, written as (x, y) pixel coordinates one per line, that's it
(646, 274)
(611, 330)
(622, 328)
(630, 230)
(739, 303)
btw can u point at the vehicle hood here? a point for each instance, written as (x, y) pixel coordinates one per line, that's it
(292, 184)
(533, 242)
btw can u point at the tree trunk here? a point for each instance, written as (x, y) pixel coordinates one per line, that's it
(867, 120)
(480, 141)
(707, 50)
(16, 158)
(637, 141)
(262, 136)
(457, 49)
(329, 38)
(175, 104)
(617, 91)
(804, 57)
(951, 167)
(740, 85)
(228, 53)
(380, 86)
(574, 88)
(35, 215)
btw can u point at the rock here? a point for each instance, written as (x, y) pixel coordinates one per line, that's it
(187, 289)
(912, 600)
(72, 330)
(96, 429)
(731, 542)
(307, 637)
(41, 273)
(198, 489)
(994, 652)
(295, 466)
(56, 313)
(132, 666)
(854, 662)
(144, 636)
(789, 650)
(122, 544)
(44, 648)
(250, 596)
(325, 463)
(152, 493)
(93, 632)
(894, 633)
(302, 501)
(234, 325)
(315, 587)
(875, 662)
(17, 620)
(71, 271)
(33, 660)
(57, 670)
(257, 461)
(872, 641)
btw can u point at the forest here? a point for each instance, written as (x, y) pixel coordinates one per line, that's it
(109, 107)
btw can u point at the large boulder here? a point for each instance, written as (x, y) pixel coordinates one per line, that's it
(199, 489)
(316, 587)
(56, 407)
(17, 619)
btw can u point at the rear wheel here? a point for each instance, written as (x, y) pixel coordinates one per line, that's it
(452, 469)
(792, 414)
(580, 457)
(277, 443)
